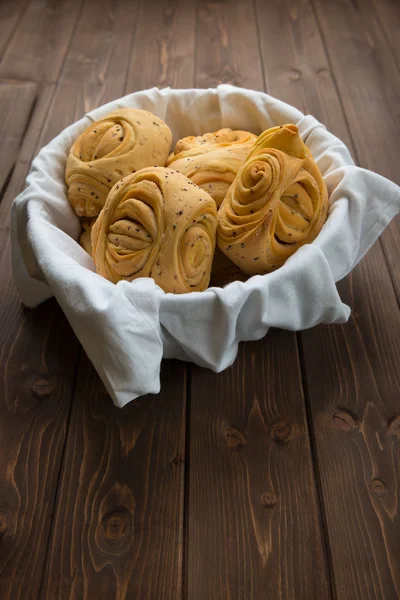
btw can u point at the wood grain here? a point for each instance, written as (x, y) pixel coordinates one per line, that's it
(118, 526)
(251, 508)
(10, 14)
(354, 385)
(44, 378)
(227, 46)
(164, 43)
(298, 71)
(122, 481)
(95, 68)
(38, 46)
(38, 366)
(38, 112)
(342, 364)
(253, 527)
(364, 63)
(387, 12)
(37, 361)
(16, 103)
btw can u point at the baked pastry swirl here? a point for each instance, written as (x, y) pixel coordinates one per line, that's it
(120, 144)
(277, 203)
(156, 223)
(212, 160)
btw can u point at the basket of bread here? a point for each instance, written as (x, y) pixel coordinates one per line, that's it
(177, 223)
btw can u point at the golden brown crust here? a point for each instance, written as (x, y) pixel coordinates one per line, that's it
(156, 223)
(213, 159)
(277, 203)
(120, 144)
(85, 237)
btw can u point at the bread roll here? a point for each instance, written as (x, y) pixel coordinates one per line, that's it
(156, 223)
(277, 203)
(85, 238)
(120, 144)
(212, 160)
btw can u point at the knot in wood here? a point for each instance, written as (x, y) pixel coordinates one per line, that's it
(344, 421)
(234, 438)
(394, 427)
(41, 387)
(116, 525)
(378, 487)
(294, 74)
(3, 523)
(268, 499)
(282, 432)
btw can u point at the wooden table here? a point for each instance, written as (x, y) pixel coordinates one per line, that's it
(278, 478)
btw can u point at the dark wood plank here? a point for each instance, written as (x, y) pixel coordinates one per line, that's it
(14, 185)
(95, 68)
(16, 103)
(118, 526)
(367, 79)
(37, 362)
(127, 465)
(227, 48)
(295, 64)
(253, 524)
(346, 367)
(10, 14)
(354, 388)
(38, 373)
(165, 37)
(39, 358)
(387, 13)
(37, 49)
(35, 376)
(369, 84)
(253, 528)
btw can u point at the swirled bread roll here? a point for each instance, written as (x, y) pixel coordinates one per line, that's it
(85, 237)
(277, 203)
(156, 223)
(212, 160)
(120, 144)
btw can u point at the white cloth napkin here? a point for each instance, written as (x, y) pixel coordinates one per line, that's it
(127, 328)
